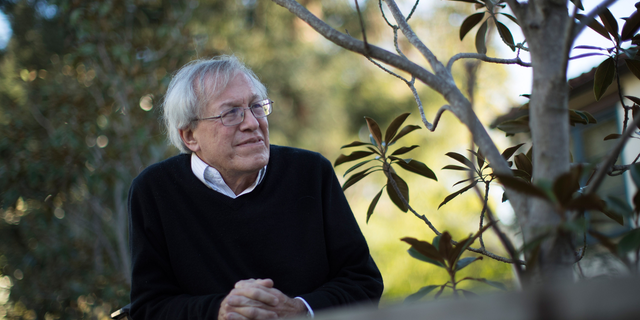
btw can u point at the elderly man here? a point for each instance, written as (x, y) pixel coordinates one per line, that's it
(236, 228)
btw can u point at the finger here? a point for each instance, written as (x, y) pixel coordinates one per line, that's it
(242, 301)
(257, 293)
(234, 316)
(253, 282)
(255, 313)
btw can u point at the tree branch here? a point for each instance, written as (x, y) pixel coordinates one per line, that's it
(606, 164)
(485, 58)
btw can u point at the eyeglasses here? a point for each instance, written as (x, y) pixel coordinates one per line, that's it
(260, 109)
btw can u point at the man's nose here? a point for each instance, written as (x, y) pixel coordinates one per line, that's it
(249, 121)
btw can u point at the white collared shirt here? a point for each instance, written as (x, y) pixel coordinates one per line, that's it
(215, 180)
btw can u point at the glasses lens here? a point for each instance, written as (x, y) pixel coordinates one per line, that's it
(232, 117)
(261, 109)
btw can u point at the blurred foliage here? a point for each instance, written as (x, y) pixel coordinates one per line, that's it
(80, 86)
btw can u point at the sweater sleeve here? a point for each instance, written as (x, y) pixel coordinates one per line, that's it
(354, 276)
(155, 293)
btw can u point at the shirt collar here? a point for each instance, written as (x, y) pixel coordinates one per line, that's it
(215, 181)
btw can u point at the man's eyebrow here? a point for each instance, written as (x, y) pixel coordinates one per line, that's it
(235, 102)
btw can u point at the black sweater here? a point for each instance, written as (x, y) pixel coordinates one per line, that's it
(191, 244)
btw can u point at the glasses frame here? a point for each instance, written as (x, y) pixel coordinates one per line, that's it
(262, 103)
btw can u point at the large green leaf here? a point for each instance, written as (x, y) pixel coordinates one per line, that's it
(494, 284)
(512, 127)
(356, 144)
(508, 152)
(629, 242)
(578, 4)
(406, 130)
(418, 167)
(357, 177)
(353, 156)
(603, 77)
(357, 166)
(460, 158)
(524, 163)
(609, 22)
(505, 34)
(635, 111)
(631, 26)
(404, 190)
(393, 127)
(465, 262)
(512, 18)
(426, 249)
(635, 174)
(481, 41)
(522, 186)
(566, 185)
(403, 150)
(420, 294)
(374, 129)
(634, 66)
(595, 26)
(373, 204)
(457, 193)
(470, 22)
(445, 247)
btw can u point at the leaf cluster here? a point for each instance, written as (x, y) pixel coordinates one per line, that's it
(384, 161)
(490, 13)
(608, 28)
(444, 254)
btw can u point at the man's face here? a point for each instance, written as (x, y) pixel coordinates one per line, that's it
(237, 150)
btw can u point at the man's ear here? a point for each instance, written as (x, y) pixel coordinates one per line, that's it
(189, 139)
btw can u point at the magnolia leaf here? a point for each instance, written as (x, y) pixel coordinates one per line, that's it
(603, 77)
(470, 22)
(426, 249)
(460, 158)
(455, 167)
(512, 18)
(418, 167)
(609, 22)
(595, 26)
(523, 163)
(406, 130)
(481, 35)
(634, 66)
(512, 127)
(463, 181)
(604, 241)
(508, 152)
(457, 193)
(465, 262)
(629, 242)
(403, 150)
(357, 166)
(614, 216)
(635, 111)
(355, 178)
(374, 129)
(420, 294)
(578, 4)
(522, 186)
(469, 1)
(459, 248)
(636, 100)
(356, 144)
(590, 48)
(505, 34)
(585, 55)
(353, 156)
(618, 206)
(566, 185)
(373, 204)
(635, 174)
(404, 190)
(494, 284)
(393, 127)
(589, 201)
(613, 136)
(480, 159)
(444, 246)
(521, 174)
(630, 27)
(468, 294)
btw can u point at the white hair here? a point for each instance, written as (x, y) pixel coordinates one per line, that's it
(193, 88)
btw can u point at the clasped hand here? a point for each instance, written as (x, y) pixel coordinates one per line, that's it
(258, 299)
